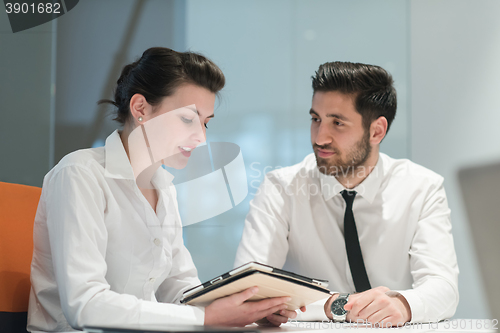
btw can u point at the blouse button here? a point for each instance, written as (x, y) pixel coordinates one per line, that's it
(157, 242)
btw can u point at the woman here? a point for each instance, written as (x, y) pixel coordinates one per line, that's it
(107, 252)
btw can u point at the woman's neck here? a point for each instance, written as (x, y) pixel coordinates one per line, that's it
(124, 134)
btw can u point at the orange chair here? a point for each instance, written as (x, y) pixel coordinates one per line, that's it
(18, 204)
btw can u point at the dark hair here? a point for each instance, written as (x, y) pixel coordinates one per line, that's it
(371, 86)
(158, 73)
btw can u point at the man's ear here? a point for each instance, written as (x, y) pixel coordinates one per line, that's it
(378, 130)
(139, 108)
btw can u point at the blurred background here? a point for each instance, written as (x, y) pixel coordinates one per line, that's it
(443, 55)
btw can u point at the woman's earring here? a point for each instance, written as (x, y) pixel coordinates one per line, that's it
(140, 118)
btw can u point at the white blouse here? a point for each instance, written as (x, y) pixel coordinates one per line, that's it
(102, 256)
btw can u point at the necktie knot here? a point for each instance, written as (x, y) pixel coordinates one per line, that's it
(348, 197)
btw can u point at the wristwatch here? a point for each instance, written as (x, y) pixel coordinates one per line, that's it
(338, 312)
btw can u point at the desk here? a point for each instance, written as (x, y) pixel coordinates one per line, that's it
(450, 326)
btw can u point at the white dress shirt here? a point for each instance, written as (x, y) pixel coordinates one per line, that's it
(296, 221)
(102, 256)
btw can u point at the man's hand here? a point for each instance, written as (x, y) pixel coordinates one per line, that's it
(234, 311)
(376, 306)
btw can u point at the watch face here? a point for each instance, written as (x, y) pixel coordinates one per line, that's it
(338, 307)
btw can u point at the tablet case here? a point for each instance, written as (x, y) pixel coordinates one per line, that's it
(272, 282)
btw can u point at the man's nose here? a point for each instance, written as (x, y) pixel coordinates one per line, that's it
(323, 137)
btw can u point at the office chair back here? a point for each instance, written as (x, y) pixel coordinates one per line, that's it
(18, 204)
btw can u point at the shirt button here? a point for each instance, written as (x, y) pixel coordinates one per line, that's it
(152, 280)
(157, 242)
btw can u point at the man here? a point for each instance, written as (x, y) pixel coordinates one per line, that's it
(347, 213)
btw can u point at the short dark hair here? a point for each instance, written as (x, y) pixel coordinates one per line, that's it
(158, 73)
(371, 86)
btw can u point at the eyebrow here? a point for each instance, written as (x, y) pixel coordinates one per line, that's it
(211, 116)
(330, 115)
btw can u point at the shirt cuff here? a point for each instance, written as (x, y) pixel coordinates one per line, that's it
(314, 312)
(417, 307)
(171, 314)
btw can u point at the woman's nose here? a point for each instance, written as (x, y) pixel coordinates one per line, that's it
(200, 134)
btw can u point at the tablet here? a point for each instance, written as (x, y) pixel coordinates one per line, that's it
(272, 282)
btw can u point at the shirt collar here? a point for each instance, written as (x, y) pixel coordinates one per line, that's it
(117, 162)
(162, 179)
(368, 188)
(118, 165)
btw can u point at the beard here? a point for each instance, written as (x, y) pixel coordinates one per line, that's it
(340, 165)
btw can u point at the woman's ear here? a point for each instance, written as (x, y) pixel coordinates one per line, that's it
(139, 108)
(378, 130)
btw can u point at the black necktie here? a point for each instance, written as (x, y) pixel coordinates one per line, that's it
(352, 247)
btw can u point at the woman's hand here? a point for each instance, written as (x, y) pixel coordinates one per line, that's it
(276, 319)
(234, 311)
